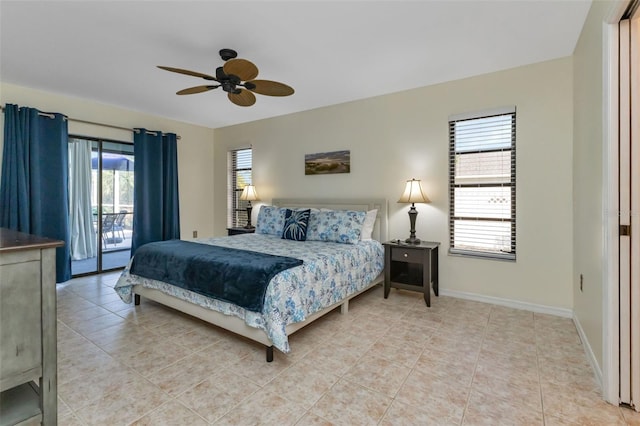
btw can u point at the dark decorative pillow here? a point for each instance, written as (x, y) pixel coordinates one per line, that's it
(295, 224)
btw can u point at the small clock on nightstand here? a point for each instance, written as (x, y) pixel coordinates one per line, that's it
(240, 230)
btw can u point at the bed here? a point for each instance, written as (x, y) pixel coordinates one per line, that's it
(294, 297)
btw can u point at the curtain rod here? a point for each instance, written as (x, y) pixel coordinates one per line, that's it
(49, 115)
(113, 127)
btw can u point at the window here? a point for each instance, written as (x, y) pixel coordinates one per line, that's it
(239, 168)
(482, 184)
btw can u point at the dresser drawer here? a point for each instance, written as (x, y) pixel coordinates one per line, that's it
(405, 254)
(20, 319)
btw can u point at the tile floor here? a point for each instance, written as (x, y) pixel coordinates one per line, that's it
(387, 362)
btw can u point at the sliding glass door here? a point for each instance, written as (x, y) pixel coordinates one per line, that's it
(100, 203)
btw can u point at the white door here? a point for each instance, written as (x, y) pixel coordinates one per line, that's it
(629, 185)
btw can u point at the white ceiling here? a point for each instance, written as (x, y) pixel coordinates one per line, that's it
(330, 52)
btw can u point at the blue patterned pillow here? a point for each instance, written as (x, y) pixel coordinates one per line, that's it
(338, 226)
(270, 220)
(295, 224)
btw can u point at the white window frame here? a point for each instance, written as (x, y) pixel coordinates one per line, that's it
(481, 230)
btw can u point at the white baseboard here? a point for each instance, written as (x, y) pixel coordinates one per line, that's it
(541, 309)
(589, 352)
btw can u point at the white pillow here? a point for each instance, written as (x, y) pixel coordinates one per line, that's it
(369, 223)
(312, 209)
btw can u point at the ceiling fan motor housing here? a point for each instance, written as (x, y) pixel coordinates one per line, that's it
(228, 81)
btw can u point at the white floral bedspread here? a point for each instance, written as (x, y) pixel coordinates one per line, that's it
(330, 272)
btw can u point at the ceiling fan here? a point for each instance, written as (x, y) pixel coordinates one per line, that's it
(237, 78)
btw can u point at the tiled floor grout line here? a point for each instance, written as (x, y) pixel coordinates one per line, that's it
(537, 338)
(475, 368)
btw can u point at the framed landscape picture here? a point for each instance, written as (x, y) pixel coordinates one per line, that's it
(324, 163)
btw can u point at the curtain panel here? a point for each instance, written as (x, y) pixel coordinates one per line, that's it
(156, 213)
(83, 238)
(34, 187)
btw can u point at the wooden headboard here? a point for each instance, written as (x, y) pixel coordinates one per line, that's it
(380, 232)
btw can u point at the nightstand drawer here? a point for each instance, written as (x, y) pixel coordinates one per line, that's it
(240, 231)
(404, 254)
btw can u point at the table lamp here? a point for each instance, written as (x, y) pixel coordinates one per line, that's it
(249, 194)
(413, 194)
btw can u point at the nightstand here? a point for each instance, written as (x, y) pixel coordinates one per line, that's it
(240, 230)
(411, 267)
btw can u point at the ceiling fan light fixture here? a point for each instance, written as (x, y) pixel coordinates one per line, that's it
(234, 73)
(228, 86)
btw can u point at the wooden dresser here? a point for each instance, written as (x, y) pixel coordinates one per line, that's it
(28, 350)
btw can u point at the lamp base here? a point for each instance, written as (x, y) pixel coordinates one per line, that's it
(412, 240)
(412, 220)
(248, 225)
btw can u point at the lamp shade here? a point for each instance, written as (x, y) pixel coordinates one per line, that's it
(249, 194)
(413, 193)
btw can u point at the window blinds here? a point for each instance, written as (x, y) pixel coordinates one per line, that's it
(239, 163)
(482, 184)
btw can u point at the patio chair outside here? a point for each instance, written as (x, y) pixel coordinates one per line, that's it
(109, 229)
(118, 224)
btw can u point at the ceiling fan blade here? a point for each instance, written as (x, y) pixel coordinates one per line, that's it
(245, 98)
(270, 88)
(196, 89)
(187, 72)
(242, 68)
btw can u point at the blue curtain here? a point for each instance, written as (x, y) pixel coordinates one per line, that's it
(156, 213)
(34, 187)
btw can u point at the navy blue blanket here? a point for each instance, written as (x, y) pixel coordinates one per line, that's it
(236, 276)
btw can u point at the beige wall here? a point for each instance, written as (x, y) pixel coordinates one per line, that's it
(588, 177)
(404, 135)
(195, 148)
